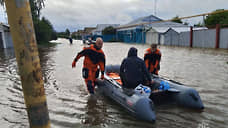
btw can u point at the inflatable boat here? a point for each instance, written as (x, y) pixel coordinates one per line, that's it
(141, 101)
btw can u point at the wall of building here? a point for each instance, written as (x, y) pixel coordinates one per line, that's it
(8, 39)
(152, 37)
(171, 37)
(1, 41)
(131, 36)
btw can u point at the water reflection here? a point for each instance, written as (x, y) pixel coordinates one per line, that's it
(95, 112)
(70, 107)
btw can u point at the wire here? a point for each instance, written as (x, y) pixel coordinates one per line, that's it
(187, 17)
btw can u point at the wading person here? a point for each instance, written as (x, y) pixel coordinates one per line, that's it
(94, 57)
(133, 71)
(70, 40)
(152, 58)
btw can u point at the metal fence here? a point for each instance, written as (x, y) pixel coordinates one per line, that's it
(201, 38)
(224, 38)
(204, 38)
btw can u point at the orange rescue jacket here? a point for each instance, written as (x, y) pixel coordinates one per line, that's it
(152, 59)
(93, 58)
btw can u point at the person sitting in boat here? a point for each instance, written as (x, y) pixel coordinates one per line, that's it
(94, 57)
(152, 58)
(133, 71)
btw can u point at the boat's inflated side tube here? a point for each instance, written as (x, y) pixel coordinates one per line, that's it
(139, 104)
(186, 96)
(145, 110)
(189, 98)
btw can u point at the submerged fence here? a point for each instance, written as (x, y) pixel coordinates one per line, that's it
(206, 38)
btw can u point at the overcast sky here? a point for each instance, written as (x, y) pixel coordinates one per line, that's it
(77, 14)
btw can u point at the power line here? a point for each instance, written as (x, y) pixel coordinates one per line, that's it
(155, 7)
(187, 17)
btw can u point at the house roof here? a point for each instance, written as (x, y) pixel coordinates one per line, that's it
(186, 29)
(161, 29)
(167, 24)
(5, 25)
(100, 27)
(177, 29)
(146, 19)
(154, 23)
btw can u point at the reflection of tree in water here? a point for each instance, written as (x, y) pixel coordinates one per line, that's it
(95, 112)
(46, 58)
(47, 64)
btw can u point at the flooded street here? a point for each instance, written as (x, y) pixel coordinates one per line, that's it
(70, 106)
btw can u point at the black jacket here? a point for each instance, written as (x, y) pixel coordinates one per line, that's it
(133, 70)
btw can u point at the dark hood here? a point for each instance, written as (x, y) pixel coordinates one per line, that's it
(132, 52)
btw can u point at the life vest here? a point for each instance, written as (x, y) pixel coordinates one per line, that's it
(93, 58)
(152, 60)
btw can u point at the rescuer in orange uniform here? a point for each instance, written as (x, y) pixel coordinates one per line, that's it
(152, 58)
(94, 57)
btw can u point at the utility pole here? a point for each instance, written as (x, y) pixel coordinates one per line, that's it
(155, 7)
(25, 46)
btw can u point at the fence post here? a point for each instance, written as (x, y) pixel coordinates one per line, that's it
(22, 30)
(191, 36)
(217, 36)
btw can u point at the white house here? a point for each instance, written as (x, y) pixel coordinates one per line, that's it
(5, 37)
(101, 27)
(154, 34)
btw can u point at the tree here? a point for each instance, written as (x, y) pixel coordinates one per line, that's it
(198, 24)
(219, 18)
(186, 23)
(44, 31)
(36, 6)
(67, 32)
(109, 31)
(43, 28)
(176, 19)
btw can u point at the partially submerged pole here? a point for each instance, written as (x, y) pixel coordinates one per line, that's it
(191, 37)
(217, 36)
(25, 46)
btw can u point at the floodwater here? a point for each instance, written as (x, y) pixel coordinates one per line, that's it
(70, 106)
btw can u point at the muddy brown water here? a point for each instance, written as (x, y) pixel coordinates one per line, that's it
(70, 106)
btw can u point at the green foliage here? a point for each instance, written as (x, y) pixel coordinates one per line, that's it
(198, 24)
(219, 18)
(186, 23)
(176, 19)
(44, 31)
(2, 2)
(109, 31)
(77, 37)
(43, 28)
(65, 34)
